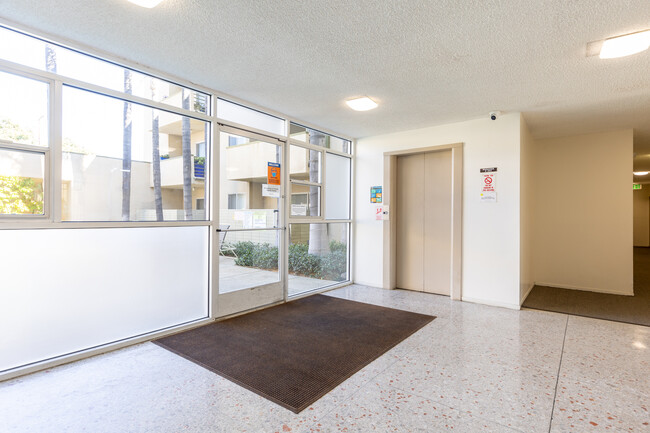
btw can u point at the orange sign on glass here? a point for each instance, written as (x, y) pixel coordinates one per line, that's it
(273, 177)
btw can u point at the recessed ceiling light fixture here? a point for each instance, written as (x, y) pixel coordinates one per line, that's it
(146, 3)
(361, 104)
(641, 173)
(625, 45)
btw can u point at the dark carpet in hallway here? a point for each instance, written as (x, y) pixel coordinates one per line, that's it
(629, 309)
(295, 353)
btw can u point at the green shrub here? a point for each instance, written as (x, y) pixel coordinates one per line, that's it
(244, 252)
(334, 265)
(303, 263)
(336, 246)
(265, 256)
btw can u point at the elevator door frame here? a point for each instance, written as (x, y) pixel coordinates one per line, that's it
(390, 225)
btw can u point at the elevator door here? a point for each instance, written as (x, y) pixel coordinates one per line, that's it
(424, 198)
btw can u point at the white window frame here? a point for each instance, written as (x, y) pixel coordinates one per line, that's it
(238, 196)
(45, 150)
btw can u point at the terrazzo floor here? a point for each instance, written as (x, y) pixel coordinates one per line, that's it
(473, 369)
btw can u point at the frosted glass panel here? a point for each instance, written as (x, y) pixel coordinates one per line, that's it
(246, 116)
(337, 185)
(67, 290)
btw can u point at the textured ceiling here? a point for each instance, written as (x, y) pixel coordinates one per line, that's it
(426, 62)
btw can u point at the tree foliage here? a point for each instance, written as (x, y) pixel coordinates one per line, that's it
(20, 195)
(13, 132)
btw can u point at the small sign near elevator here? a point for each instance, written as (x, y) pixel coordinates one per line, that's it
(376, 194)
(488, 185)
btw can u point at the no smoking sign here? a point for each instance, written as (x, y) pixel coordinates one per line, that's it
(488, 185)
(489, 181)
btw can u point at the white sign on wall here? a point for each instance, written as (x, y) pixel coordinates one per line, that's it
(382, 213)
(489, 185)
(271, 190)
(299, 209)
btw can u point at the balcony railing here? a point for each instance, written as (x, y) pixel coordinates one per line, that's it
(199, 171)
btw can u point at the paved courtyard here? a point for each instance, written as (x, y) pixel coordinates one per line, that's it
(233, 277)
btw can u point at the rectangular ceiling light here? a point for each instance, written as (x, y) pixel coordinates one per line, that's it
(361, 104)
(146, 3)
(625, 45)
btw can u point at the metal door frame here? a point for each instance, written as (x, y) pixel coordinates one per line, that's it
(244, 300)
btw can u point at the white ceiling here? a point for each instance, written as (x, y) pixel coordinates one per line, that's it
(426, 62)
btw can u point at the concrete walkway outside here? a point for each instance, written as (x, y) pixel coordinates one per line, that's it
(233, 277)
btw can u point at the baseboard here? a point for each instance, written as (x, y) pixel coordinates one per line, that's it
(491, 303)
(584, 289)
(523, 298)
(364, 283)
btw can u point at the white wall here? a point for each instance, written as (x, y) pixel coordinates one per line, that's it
(642, 216)
(490, 257)
(583, 212)
(527, 212)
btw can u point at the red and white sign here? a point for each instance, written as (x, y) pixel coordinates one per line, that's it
(489, 182)
(379, 213)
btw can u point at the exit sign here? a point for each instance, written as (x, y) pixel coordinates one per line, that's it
(637, 186)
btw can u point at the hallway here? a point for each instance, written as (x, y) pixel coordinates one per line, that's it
(628, 309)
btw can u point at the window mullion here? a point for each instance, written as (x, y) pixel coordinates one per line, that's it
(56, 146)
(323, 192)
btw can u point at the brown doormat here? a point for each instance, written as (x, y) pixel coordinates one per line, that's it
(295, 353)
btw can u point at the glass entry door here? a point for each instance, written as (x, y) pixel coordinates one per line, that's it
(251, 222)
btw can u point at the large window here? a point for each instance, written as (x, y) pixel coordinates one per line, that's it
(24, 142)
(104, 234)
(318, 256)
(107, 171)
(33, 52)
(320, 180)
(128, 162)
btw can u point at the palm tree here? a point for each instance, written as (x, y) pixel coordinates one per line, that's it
(126, 151)
(187, 158)
(155, 150)
(318, 244)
